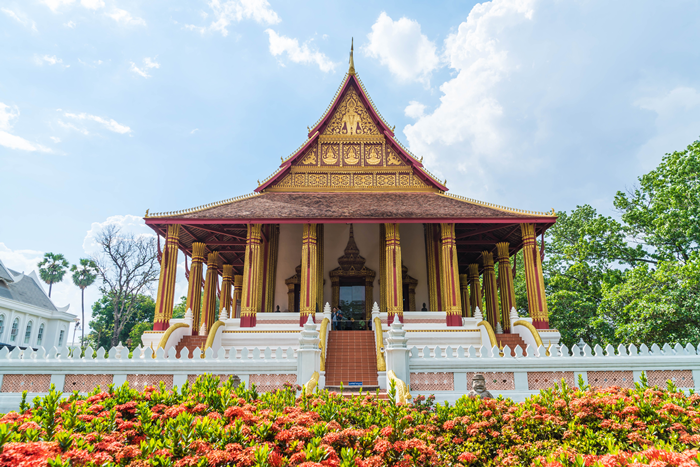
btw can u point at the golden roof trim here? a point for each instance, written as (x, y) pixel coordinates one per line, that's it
(371, 102)
(291, 155)
(499, 207)
(335, 97)
(201, 208)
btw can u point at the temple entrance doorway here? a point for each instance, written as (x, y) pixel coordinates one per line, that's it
(351, 305)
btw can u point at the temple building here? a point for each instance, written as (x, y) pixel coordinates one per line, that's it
(351, 219)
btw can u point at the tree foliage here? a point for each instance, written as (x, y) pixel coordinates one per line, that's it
(634, 280)
(130, 333)
(127, 266)
(52, 268)
(83, 277)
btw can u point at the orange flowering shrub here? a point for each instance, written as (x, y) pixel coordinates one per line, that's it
(206, 425)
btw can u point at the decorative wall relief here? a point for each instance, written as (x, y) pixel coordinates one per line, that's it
(330, 154)
(351, 117)
(373, 154)
(351, 154)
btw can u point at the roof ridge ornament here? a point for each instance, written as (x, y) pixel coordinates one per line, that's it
(351, 70)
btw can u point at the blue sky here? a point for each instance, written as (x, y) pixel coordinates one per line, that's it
(110, 107)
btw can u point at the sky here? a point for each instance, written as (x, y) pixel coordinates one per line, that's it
(112, 107)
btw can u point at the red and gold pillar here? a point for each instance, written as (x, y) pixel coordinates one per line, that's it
(464, 289)
(166, 282)
(475, 289)
(393, 274)
(251, 294)
(210, 286)
(194, 287)
(534, 280)
(490, 290)
(505, 284)
(451, 300)
(308, 296)
(237, 289)
(225, 299)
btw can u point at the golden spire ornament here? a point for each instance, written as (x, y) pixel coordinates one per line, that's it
(352, 61)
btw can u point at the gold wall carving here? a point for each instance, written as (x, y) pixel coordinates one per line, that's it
(373, 154)
(351, 117)
(330, 154)
(349, 179)
(351, 154)
(310, 157)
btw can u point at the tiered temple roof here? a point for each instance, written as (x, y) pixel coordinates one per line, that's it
(351, 168)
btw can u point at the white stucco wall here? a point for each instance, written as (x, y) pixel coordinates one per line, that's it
(288, 258)
(335, 240)
(413, 257)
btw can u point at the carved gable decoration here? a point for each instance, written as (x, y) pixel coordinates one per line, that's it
(351, 117)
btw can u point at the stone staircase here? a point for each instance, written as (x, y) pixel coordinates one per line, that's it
(191, 342)
(511, 340)
(351, 357)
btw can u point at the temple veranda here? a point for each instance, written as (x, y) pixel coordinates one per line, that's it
(350, 221)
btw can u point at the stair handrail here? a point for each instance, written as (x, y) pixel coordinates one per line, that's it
(311, 384)
(164, 340)
(212, 335)
(532, 329)
(322, 345)
(402, 393)
(489, 331)
(379, 335)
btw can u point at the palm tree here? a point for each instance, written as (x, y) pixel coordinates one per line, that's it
(83, 277)
(52, 268)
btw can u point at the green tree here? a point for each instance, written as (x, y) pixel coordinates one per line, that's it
(585, 253)
(180, 309)
(655, 305)
(83, 277)
(663, 212)
(130, 333)
(52, 269)
(127, 266)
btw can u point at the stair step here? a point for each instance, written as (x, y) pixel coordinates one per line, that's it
(351, 357)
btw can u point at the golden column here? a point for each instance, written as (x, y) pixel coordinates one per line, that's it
(251, 294)
(225, 298)
(210, 286)
(194, 287)
(393, 274)
(464, 287)
(505, 284)
(166, 282)
(534, 280)
(475, 289)
(451, 300)
(490, 290)
(308, 296)
(237, 289)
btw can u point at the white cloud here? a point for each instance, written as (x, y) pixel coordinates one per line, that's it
(70, 24)
(296, 53)
(124, 18)
(414, 109)
(64, 292)
(20, 18)
(194, 131)
(92, 4)
(229, 11)
(403, 48)
(55, 139)
(110, 124)
(8, 115)
(70, 126)
(56, 4)
(549, 102)
(148, 63)
(50, 59)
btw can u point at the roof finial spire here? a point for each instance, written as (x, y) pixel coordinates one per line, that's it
(352, 62)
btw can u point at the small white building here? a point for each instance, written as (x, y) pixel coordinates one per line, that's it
(28, 317)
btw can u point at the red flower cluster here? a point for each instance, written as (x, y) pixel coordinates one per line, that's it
(211, 425)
